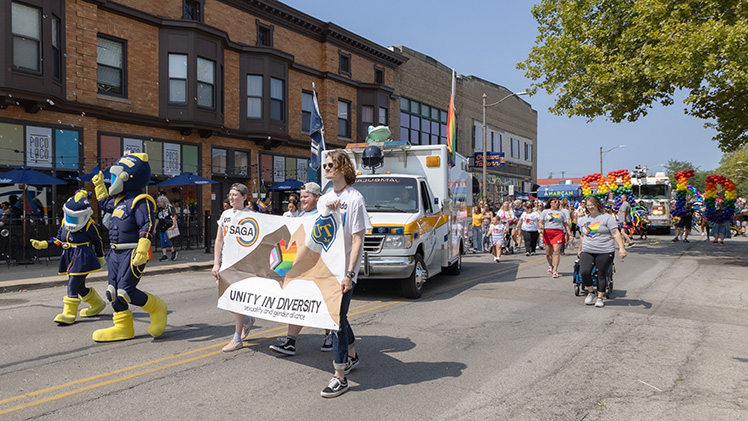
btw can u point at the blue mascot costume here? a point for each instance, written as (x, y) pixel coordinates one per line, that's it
(130, 233)
(82, 253)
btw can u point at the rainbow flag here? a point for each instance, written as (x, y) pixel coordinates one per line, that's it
(262, 207)
(451, 124)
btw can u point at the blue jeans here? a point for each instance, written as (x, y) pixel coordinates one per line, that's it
(165, 241)
(477, 238)
(344, 337)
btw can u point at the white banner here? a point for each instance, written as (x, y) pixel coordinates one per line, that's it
(39, 147)
(286, 270)
(279, 169)
(172, 159)
(132, 145)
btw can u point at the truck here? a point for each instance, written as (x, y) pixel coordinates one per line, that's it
(654, 192)
(418, 203)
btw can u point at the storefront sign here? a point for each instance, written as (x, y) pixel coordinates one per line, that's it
(172, 159)
(39, 147)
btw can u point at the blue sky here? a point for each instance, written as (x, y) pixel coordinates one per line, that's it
(486, 39)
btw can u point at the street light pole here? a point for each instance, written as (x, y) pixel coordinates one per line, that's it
(485, 141)
(602, 152)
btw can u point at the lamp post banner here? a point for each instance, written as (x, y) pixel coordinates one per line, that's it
(286, 270)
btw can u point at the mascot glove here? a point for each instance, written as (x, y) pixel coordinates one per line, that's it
(99, 187)
(39, 244)
(102, 261)
(140, 256)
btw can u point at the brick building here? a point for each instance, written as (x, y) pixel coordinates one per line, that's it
(424, 85)
(220, 88)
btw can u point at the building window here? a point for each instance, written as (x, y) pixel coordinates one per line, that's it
(264, 35)
(378, 75)
(515, 148)
(478, 136)
(367, 115)
(219, 160)
(192, 10)
(528, 152)
(307, 104)
(345, 63)
(254, 96)
(178, 78)
(110, 60)
(206, 83)
(241, 163)
(496, 142)
(277, 102)
(420, 124)
(56, 48)
(383, 116)
(27, 37)
(344, 118)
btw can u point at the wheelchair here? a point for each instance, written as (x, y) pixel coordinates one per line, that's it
(579, 285)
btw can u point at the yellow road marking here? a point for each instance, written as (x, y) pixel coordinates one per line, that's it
(269, 333)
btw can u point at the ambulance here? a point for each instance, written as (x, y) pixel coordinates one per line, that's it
(418, 203)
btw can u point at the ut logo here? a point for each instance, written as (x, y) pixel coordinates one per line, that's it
(323, 232)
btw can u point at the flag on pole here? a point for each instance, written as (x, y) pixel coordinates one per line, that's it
(451, 126)
(317, 133)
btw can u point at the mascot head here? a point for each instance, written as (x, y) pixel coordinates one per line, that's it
(130, 174)
(77, 211)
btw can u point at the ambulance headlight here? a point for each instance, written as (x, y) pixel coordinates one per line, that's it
(397, 241)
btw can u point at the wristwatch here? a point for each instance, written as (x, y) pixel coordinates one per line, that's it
(350, 274)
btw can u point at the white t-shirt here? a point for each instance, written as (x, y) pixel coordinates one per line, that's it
(231, 217)
(290, 214)
(529, 221)
(354, 216)
(506, 217)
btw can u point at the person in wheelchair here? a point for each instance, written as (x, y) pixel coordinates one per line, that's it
(597, 244)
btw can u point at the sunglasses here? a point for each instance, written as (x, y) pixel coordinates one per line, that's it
(329, 165)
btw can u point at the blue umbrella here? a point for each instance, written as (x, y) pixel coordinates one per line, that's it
(25, 175)
(95, 170)
(28, 177)
(186, 179)
(289, 184)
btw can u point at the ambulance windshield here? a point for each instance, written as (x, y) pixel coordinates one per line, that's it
(389, 194)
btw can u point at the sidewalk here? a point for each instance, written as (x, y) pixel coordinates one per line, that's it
(43, 274)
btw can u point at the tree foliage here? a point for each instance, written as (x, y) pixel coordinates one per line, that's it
(616, 58)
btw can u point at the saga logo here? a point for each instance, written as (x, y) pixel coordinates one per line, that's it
(245, 231)
(324, 230)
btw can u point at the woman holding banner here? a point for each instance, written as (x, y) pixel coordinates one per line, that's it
(347, 200)
(237, 197)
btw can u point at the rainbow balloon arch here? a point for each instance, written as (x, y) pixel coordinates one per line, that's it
(607, 185)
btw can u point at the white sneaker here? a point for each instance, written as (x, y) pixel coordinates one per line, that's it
(590, 298)
(599, 303)
(495, 259)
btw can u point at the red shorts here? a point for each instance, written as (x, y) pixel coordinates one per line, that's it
(554, 236)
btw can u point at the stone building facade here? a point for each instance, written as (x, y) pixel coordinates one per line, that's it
(423, 86)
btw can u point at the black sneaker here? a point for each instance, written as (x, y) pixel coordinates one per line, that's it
(674, 240)
(351, 363)
(288, 347)
(686, 241)
(327, 344)
(174, 255)
(163, 258)
(335, 388)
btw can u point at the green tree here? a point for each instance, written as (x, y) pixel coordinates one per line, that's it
(734, 165)
(699, 177)
(616, 58)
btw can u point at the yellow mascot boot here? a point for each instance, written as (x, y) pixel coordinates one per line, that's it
(157, 309)
(94, 300)
(122, 329)
(69, 310)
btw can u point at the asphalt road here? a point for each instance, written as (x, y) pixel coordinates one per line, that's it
(500, 341)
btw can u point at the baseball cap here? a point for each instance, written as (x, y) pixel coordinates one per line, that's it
(241, 188)
(311, 187)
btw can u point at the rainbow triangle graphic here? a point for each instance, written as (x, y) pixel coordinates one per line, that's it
(282, 257)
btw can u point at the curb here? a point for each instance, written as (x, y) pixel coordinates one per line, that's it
(61, 280)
